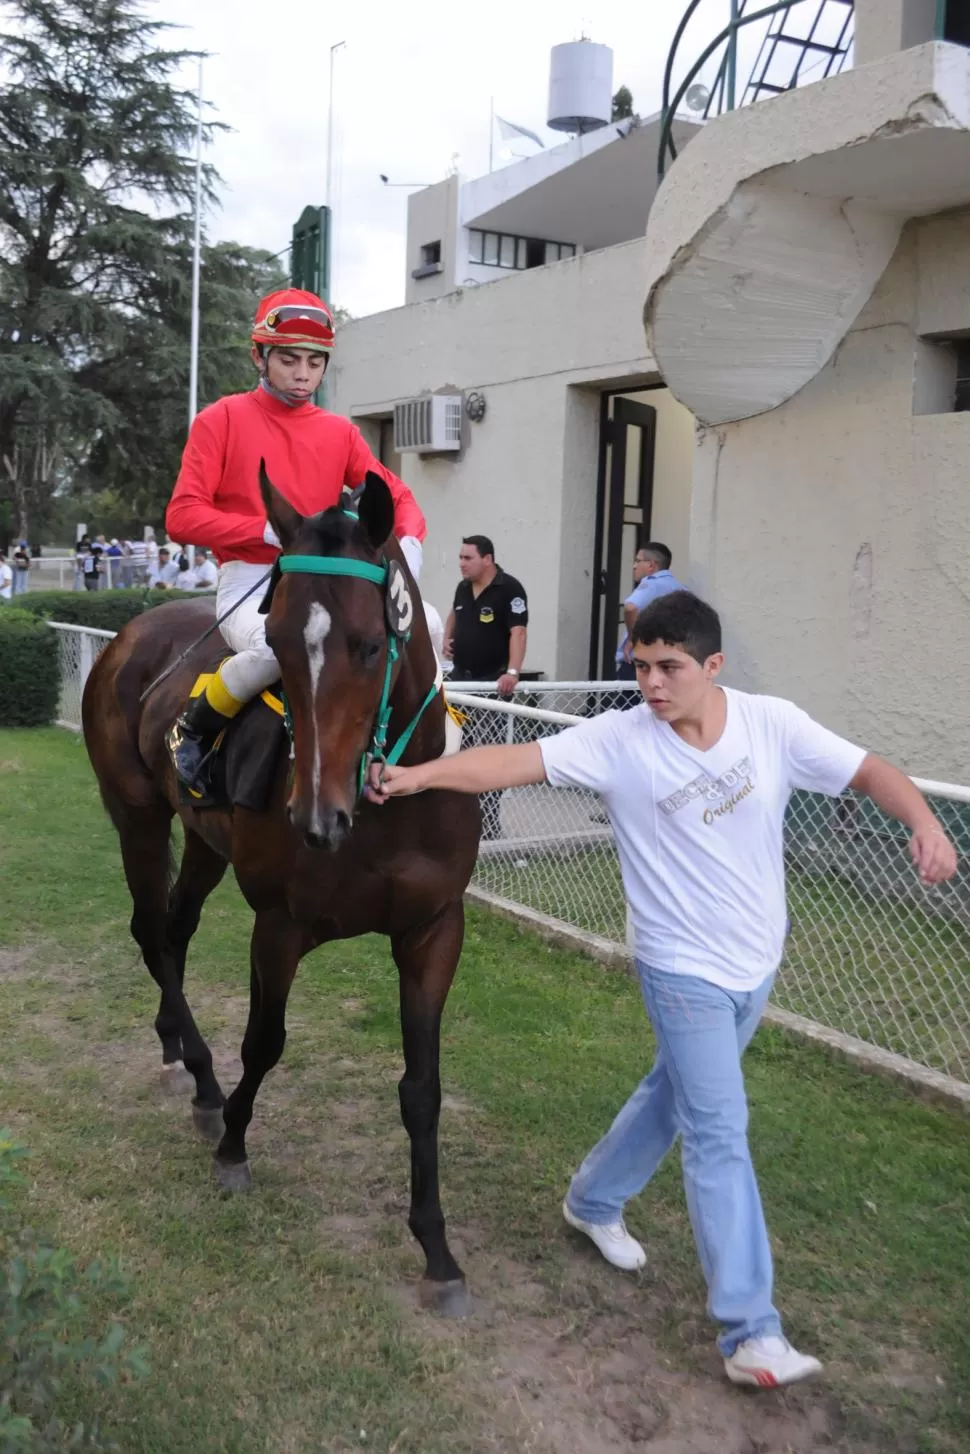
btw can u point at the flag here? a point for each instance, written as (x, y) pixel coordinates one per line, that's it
(509, 130)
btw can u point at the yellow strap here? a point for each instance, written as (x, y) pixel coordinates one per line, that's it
(273, 702)
(459, 718)
(201, 682)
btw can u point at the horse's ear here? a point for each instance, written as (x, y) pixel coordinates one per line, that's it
(279, 512)
(376, 509)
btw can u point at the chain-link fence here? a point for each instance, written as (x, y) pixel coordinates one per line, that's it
(871, 952)
(79, 647)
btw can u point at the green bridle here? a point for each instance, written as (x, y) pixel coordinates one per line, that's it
(332, 565)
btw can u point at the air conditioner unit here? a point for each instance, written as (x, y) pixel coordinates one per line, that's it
(428, 425)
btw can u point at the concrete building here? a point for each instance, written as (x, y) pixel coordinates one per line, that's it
(525, 288)
(808, 299)
(795, 422)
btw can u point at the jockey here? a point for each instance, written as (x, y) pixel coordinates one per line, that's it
(310, 456)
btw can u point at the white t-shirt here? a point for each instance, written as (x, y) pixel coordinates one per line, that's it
(206, 575)
(700, 834)
(6, 583)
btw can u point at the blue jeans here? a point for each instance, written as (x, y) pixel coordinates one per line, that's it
(695, 1090)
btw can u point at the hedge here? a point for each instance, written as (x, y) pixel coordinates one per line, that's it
(106, 610)
(29, 670)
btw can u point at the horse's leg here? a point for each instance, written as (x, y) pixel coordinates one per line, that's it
(276, 949)
(200, 871)
(144, 834)
(427, 958)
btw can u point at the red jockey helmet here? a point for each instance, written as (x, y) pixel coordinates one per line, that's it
(293, 318)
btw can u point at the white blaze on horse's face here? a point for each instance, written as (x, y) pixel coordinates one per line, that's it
(315, 633)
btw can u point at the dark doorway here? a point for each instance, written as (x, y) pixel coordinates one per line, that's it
(956, 22)
(628, 432)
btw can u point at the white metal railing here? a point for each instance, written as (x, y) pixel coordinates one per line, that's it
(79, 647)
(872, 954)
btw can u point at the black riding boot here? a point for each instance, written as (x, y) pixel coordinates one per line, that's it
(192, 739)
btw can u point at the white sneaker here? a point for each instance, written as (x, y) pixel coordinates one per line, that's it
(612, 1239)
(769, 1362)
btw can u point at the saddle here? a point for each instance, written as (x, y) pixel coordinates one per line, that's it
(242, 766)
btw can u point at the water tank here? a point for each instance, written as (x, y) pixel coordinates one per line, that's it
(580, 86)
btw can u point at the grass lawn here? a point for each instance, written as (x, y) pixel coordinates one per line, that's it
(288, 1321)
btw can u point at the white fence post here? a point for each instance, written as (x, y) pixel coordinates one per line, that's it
(86, 663)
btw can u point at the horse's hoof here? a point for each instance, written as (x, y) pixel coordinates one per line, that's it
(234, 1176)
(209, 1122)
(175, 1079)
(447, 1299)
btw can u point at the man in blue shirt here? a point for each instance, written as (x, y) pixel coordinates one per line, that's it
(652, 578)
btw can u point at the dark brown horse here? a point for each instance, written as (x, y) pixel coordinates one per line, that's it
(320, 863)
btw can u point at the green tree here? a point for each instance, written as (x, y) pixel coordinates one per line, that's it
(125, 475)
(622, 105)
(96, 186)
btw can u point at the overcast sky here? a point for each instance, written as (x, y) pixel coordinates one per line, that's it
(411, 89)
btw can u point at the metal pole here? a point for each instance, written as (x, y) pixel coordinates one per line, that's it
(196, 262)
(333, 51)
(732, 57)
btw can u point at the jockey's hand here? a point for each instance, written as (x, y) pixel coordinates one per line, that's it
(392, 782)
(448, 648)
(933, 854)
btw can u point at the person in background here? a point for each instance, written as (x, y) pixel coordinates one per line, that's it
(6, 579)
(91, 567)
(21, 568)
(485, 637)
(112, 565)
(206, 571)
(164, 571)
(186, 580)
(652, 578)
(697, 781)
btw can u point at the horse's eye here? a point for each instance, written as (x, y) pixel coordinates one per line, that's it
(370, 651)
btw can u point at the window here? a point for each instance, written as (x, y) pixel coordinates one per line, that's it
(503, 250)
(430, 263)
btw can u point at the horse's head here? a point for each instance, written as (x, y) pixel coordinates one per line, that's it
(327, 624)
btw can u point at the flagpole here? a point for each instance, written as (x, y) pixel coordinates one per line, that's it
(491, 130)
(196, 267)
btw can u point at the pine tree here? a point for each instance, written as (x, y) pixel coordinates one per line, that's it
(96, 188)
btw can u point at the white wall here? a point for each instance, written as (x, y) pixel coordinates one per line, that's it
(834, 532)
(540, 348)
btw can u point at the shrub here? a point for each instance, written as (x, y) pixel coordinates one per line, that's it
(105, 610)
(29, 670)
(48, 1328)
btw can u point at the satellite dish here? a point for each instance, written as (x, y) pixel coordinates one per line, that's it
(697, 97)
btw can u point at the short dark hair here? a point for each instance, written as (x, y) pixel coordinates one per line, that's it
(481, 543)
(655, 551)
(680, 619)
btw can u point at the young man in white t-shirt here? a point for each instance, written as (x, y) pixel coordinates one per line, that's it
(696, 781)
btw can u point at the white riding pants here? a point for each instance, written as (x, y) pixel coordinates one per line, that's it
(254, 667)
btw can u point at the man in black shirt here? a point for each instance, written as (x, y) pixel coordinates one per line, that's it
(485, 636)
